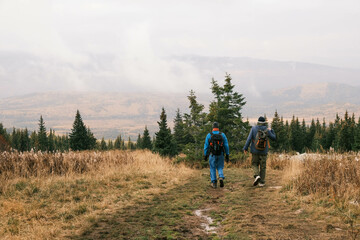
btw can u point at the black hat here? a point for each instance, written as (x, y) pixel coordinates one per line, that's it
(261, 120)
(215, 125)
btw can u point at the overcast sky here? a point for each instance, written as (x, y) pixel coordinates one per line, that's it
(82, 45)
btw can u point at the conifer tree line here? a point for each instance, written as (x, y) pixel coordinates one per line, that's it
(80, 138)
(341, 135)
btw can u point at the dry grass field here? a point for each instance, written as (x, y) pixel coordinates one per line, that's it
(139, 195)
(51, 196)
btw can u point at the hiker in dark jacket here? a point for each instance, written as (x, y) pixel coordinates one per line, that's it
(216, 158)
(259, 154)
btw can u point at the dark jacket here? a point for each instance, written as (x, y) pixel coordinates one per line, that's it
(252, 136)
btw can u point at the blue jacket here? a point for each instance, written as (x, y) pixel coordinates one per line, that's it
(252, 136)
(207, 143)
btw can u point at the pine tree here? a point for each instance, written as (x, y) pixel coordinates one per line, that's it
(51, 141)
(41, 136)
(226, 110)
(15, 139)
(117, 144)
(139, 142)
(295, 135)
(24, 140)
(330, 136)
(34, 141)
(179, 131)
(310, 134)
(91, 140)
(103, 146)
(357, 137)
(146, 141)
(110, 145)
(130, 144)
(278, 128)
(164, 143)
(81, 138)
(324, 133)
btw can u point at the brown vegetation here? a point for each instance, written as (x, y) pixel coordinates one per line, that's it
(49, 196)
(333, 175)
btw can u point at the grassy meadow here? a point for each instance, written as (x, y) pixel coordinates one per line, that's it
(140, 195)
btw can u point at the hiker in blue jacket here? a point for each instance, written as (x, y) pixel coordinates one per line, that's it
(216, 144)
(258, 138)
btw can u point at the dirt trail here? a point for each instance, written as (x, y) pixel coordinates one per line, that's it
(263, 212)
(196, 211)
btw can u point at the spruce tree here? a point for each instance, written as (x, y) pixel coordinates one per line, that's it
(24, 140)
(117, 144)
(51, 141)
(276, 126)
(146, 140)
(310, 134)
(164, 143)
(324, 132)
(110, 145)
(226, 110)
(130, 144)
(81, 138)
(41, 136)
(179, 131)
(103, 146)
(91, 140)
(139, 142)
(15, 139)
(330, 136)
(357, 136)
(295, 135)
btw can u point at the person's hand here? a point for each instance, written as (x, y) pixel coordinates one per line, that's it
(206, 157)
(245, 151)
(227, 158)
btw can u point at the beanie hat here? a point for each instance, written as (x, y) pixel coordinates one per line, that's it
(261, 120)
(215, 125)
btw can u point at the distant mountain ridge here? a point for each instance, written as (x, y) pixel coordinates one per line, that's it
(251, 74)
(111, 114)
(22, 73)
(318, 100)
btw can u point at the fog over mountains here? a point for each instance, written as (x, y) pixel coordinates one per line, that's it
(113, 103)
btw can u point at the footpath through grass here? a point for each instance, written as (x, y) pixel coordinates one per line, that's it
(193, 210)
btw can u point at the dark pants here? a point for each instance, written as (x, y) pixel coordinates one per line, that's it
(257, 161)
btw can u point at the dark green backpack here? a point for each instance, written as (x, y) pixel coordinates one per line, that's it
(216, 143)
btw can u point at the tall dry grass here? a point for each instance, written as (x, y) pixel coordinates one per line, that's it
(51, 196)
(334, 175)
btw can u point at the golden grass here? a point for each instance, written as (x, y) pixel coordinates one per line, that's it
(50, 196)
(333, 175)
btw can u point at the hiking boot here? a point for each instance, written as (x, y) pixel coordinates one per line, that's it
(221, 182)
(257, 180)
(214, 184)
(261, 184)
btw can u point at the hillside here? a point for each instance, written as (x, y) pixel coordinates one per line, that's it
(109, 114)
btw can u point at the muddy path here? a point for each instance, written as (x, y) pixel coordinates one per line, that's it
(194, 210)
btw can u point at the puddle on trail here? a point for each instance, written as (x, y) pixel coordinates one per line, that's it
(208, 221)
